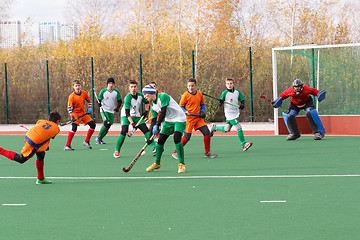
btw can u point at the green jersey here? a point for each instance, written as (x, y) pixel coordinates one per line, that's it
(174, 113)
(109, 99)
(134, 104)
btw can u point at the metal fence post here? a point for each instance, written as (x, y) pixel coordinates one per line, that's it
(92, 87)
(251, 88)
(6, 96)
(193, 63)
(47, 87)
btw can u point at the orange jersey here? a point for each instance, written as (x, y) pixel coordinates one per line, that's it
(76, 103)
(191, 102)
(39, 136)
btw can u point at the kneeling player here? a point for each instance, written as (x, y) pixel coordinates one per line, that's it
(37, 141)
(300, 99)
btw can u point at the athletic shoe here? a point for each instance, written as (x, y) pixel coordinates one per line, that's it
(116, 154)
(87, 144)
(181, 168)
(212, 129)
(153, 166)
(210, 155)
(44, 181)
(318, 136)
(291, 137)
(154, 152)
(68, 148)
(99, 141)
(174, 155)
(247, 146)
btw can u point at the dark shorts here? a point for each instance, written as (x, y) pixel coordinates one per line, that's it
(308, 104)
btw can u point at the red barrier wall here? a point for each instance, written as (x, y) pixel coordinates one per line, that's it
(334, 125)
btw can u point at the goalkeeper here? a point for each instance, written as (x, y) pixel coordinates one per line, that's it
(108, 98)
(300, 99)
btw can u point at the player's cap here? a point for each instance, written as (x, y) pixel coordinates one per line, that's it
(149, 89)
(110, 80)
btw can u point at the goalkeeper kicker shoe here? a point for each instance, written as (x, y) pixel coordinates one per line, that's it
(210, 155)
(44, 181)
(87, 144)
(247, 146)
(181, 168)
(291, 137)
(152, 167)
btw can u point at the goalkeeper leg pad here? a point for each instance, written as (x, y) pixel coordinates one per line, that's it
(315, 122)
(292, 127)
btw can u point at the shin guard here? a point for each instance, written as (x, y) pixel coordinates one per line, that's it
(315, 122)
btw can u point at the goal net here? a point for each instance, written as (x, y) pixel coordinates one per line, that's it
(335, 68)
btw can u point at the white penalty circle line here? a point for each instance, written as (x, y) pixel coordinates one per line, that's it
(190, 177)
(14, 204)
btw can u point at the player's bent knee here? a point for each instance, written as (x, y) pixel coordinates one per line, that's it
(20, 158)
(92, 124)
(107, 124)
(238, 127)
(74, 127)
(177, 137)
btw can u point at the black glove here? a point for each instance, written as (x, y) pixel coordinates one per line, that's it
(99, 103)
(72, 118)
(202, 115)
(242, 106)
(133, 125)
(221, 102)
(145, 114)
(117, 109)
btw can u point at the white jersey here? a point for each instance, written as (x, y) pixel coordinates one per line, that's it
(234, 97)
(174, 113)
(109, 99)
(134, 104)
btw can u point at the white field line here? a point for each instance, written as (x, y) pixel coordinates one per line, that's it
(14, 204)
(189, 177)
(274, 201)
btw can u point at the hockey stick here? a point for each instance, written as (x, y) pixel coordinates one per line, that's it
(137, 156)
(101, 108)
(134, 128)
(218, 99)
(262, 96)
(71, 121)
(193, 114)
(24, 127)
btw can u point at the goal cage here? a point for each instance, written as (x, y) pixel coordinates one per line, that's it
(334, 68)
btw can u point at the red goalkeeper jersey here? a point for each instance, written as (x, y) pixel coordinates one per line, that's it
(301, 99)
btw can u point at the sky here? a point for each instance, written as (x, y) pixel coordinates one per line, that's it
(38, 10)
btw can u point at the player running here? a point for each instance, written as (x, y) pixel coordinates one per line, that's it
(108, 98)
(193, 104)
(75, 108)
(232, 113)
(300, 99)
(37, 141)
(175, 122)
(130, 114)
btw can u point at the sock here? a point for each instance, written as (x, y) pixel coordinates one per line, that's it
(103, 132)
(184, 142)
(159, 152)
(119, 142)
(207, 143)
(89, 134)
(6, 153)
(70, 138)
(152, 145)
(40, 169)
(180, 151)
(219, 128)
(241, 136)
